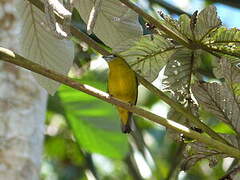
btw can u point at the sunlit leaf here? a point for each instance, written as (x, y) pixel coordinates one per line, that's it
(226, 41)
(207, 21)
(225, 36)
(180, 27)
(116, 24)
(148, 56)
(223, 128)
(184, 26)
(39, 45)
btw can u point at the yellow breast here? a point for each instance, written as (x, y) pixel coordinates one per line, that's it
(122, 82)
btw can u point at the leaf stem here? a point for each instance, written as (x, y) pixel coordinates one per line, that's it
(11, 57)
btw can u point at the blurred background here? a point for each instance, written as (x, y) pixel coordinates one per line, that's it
(83, 140)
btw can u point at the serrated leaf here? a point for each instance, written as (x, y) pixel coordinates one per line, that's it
(218, 100)
(224, 35)
(184, 22)
(207, 21)
(95, 124)
(225, 40)
(180, 27)
(148, 55)
(37, 44)
(116, 24)
(180, 69)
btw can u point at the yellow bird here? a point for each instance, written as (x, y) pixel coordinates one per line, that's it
(122, 84)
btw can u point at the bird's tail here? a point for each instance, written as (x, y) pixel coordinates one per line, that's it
(126, 120)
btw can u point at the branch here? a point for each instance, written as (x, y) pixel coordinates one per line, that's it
(178, 107)
(11, 57)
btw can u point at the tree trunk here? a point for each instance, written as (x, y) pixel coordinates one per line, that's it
(22, 110)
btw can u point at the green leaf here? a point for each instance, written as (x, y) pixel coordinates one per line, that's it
(226, 41)
(179, 27)
(224, 35)
(55, 147)
(149, 55)
(223, 128)
(184, 22)
(94, 123)
(207, 21)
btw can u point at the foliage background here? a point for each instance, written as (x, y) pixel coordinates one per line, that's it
(100, 150)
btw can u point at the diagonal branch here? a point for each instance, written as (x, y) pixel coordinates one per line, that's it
(11, 57)
(83, 37)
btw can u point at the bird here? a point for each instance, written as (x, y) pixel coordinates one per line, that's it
(123, 85)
